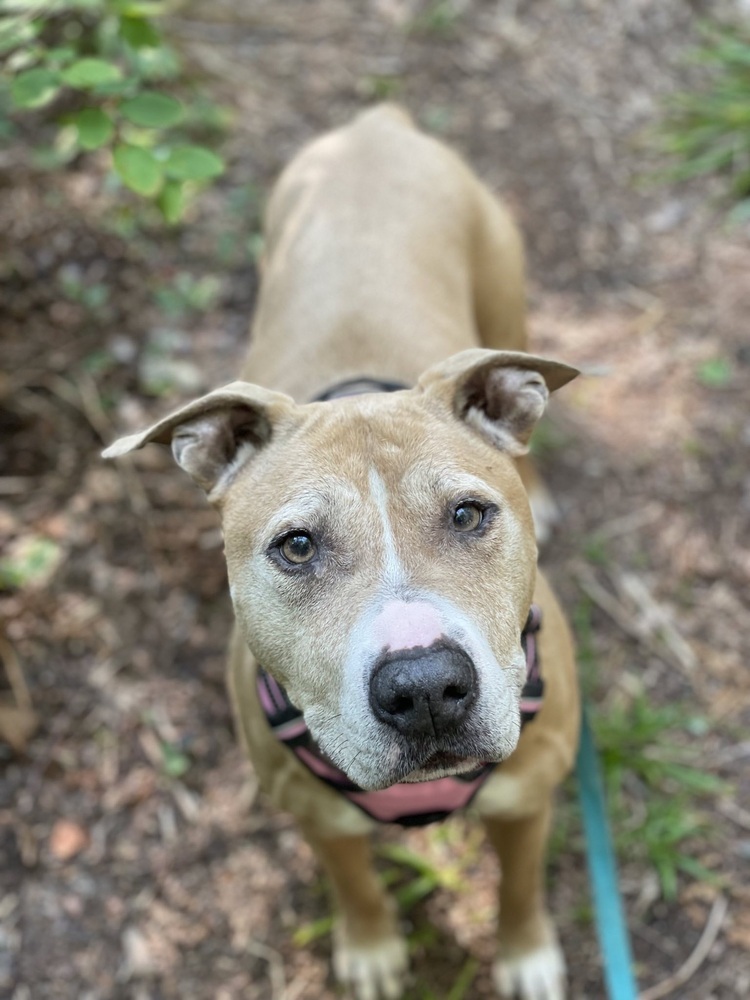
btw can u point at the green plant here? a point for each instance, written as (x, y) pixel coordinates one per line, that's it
(101, 70)
(186, 294)
(716, 372)
(654, 783)
(440, 18)
(176, 764)
(31, 562)
(706, 131)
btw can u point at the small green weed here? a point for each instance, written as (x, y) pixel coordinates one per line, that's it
(93, 297)
(429, 875)
(547, 439)
(654, 785)
(187, 293)
(175, 763)
(440, 18)
(595, 550)
(461, 985)
(706, 131)
(587, 661)
(716, 372)
(381, 87)
(31, 563)
(653, 776)
(313, 930)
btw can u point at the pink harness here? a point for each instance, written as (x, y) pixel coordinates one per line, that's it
(408, 804)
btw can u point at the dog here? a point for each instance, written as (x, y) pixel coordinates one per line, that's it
(374, 488)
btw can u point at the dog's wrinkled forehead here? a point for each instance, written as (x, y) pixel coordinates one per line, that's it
(474, 404)
(368, 448)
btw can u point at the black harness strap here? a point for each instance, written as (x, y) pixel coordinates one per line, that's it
(358, 387)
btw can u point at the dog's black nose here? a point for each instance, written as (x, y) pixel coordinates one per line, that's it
(424, 692)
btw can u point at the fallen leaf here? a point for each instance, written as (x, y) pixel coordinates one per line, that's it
(67, 839)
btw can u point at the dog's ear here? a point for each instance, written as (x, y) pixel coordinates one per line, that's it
(502, 394)
(216, 434)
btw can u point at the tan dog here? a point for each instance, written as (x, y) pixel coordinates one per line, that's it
(380, 547)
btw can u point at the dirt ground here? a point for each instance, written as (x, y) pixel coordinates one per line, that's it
(136, 860)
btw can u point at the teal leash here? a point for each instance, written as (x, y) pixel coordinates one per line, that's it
(612, 929)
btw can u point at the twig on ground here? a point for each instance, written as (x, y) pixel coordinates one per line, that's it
(655, 617)
(688, 969)
(14, 672)
(630, 522)
(83, 395)
(728, 756)
(651, 626)
(187, 802)
(656, 940)
(91, 407)
(275, 966)
(734, 812)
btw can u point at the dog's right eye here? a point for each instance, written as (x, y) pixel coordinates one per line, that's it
(297, 548)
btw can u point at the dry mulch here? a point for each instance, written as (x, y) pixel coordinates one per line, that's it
(137, 860)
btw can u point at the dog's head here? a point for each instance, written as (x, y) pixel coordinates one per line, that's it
(381, 554)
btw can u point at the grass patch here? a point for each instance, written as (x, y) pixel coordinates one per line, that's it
(658, 791)
(706, 130)
(656, 786)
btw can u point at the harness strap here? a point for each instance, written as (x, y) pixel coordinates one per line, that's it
(532, 694)
(407, 803)
(358, 386)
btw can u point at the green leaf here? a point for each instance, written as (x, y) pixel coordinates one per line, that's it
(139, 33)
(307, 933)
(463, 982)
(715, 373)
(60, 55)
(193, 163)
(32, 561)
(176, 764)
(415, 890)
(172, 201)
(141, 8)
(34, 88)
(138, 169)
(16, 31)
(86, 73)
(151, 109)
(95, 128)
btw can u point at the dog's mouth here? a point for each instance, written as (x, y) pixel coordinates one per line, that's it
(442, 761)
(442, 766)
(437, 762)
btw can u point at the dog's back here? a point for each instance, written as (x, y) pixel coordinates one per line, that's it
(376, 233)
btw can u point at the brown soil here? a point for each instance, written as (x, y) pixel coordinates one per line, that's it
(136, 859)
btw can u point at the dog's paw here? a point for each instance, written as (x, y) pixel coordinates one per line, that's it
(375, 971)
(537, 975)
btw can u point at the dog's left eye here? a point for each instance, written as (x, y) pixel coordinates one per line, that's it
(297, 548)
(467, 516)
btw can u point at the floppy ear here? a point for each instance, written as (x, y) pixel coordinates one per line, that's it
(502, 394)
(214, 435)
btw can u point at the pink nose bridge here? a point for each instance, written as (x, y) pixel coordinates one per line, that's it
(406, 624)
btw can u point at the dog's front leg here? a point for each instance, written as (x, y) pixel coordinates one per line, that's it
(369, 953)
(530, 963)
